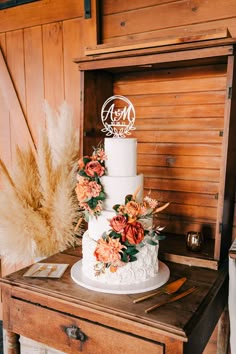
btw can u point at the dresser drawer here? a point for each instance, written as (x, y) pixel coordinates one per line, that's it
(57, 330)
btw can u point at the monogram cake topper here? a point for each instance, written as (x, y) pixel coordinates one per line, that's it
(118, 116)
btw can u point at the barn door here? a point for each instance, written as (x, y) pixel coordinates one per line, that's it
(12, 114)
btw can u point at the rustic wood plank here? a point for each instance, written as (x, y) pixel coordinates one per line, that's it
(178, 30)
(110, 7)
(5, 134)
(180, 149)
(182, 185)
(19, 129)
(192, 211)
(223, 345)
(53, 64)
(120, 341)
(179, 124)
(179, 160)
(183, 197)
(91, 27)
(184, 98)
(146, 58)
(181, 111)
(181, 172)
(201, 84)
(167, 74)
(33, 56)
(71, 48)
(193, 37)
(185, 137)
(39, 13)
(173, 14)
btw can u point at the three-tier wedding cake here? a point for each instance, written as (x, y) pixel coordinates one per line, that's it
(121, 245)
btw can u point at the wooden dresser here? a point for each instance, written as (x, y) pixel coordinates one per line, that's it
(46, 310)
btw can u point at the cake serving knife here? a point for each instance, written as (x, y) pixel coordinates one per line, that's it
(172, 299)
(166, 289)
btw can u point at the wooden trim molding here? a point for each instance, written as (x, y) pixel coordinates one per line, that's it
(219, 33)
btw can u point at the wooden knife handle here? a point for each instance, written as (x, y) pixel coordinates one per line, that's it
(147, 296)
(172, 299)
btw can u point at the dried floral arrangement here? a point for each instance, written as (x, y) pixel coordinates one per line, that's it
(131, 229)
(38, 206)
(89, 189)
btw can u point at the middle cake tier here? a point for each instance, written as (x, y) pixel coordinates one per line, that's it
(116, 189)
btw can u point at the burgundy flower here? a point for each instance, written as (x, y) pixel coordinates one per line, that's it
(134, 233)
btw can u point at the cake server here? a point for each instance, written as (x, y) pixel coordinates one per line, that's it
(172, 299)
(166, 289)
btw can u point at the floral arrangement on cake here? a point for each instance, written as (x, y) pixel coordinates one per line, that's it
(89, 190)
(128, 233)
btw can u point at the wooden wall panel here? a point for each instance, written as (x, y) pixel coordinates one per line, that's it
(72, 48)
(5, 133)
(16, 66)
(155, 19)
(179, 139)
(39, 13)
(34, 87)
(53, 64)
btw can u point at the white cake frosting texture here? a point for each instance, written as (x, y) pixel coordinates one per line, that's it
(144, 268)
(120, 180)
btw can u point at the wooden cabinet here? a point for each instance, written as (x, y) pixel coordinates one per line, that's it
(47, 321)
(184, 99)
(49, 310)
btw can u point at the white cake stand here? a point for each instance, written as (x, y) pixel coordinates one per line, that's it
(154, 283)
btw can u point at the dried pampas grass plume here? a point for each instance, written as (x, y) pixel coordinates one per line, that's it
(38, 207)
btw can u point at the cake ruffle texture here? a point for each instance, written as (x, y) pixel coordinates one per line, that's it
(144, 268)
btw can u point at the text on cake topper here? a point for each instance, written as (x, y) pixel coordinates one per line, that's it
(118, 116)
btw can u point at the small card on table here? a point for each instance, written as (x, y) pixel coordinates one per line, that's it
(46, 270)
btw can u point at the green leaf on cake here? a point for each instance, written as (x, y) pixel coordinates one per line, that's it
(124, 258)
(131, 251)
(132, 259)
(114, 234)
(151, 242)
(116, 207)
(92, 203)
(86, 159)
(82, 173)
(102, 196)
(128, 198)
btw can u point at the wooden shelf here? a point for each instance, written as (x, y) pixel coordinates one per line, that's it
(173, 249)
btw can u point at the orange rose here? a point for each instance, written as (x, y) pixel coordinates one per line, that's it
(94, 167)
(118, 223)
(134, 233)
(132, 209)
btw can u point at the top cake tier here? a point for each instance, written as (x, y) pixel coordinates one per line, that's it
(121, 156)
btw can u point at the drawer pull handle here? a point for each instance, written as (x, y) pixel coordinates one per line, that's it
(75, 333)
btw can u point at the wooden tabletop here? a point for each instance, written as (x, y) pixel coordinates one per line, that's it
(178, 318)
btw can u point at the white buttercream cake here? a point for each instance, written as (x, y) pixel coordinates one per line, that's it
(121, 179)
